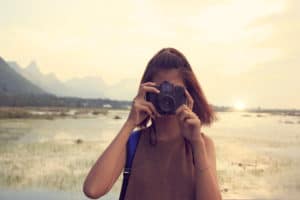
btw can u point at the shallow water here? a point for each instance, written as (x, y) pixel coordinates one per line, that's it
(257, 157)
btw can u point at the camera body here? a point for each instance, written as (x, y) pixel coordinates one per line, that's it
(169, 99)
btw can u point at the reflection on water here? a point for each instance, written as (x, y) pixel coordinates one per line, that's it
(257, 156)
(102, 127)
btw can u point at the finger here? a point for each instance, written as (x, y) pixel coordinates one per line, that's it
(189, 98)
(149, 83)
(149, 104)
(192, 121)
(150, 89)
(186, 111)
(185, 115)
(181, 113)
(145, 84)
(179, 109)
(146, 109)
(145, 89)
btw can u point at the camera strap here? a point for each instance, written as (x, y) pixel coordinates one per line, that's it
(130, 152)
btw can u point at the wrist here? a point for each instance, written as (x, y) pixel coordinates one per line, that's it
(200, 158)
(203, 168)
(130, 123)
(198, 148)
(197, 143)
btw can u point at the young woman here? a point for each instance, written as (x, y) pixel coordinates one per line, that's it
(174, 159)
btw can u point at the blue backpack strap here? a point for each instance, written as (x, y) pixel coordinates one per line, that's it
(130, 152)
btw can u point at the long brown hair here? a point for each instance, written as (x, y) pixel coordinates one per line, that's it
(171, 58)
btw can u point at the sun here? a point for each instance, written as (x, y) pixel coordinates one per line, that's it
(239, 105)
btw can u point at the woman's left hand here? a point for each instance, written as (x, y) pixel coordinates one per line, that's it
(189, 122)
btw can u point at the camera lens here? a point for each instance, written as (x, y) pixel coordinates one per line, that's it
(167, 103)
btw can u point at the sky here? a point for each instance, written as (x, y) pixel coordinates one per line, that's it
(245, 53)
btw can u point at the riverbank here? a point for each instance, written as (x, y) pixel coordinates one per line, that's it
(50, 112)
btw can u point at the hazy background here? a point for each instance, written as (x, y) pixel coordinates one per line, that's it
(245, 53)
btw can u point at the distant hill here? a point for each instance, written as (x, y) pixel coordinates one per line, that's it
(84, 87)
(12, 83)
(18, 87)
(48, 82)
(125, 89)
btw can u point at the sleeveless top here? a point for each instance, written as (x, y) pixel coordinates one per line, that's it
(164, 171)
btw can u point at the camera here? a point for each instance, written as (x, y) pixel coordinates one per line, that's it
(169, 99)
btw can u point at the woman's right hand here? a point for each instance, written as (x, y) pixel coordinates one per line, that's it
(141, 108)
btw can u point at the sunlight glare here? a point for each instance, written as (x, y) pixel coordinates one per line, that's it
(239, 105)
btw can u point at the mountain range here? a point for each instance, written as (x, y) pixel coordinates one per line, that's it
(12, 83)
(86, 87)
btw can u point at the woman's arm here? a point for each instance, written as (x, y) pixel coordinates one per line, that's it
(109, 165)
(206, 185)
